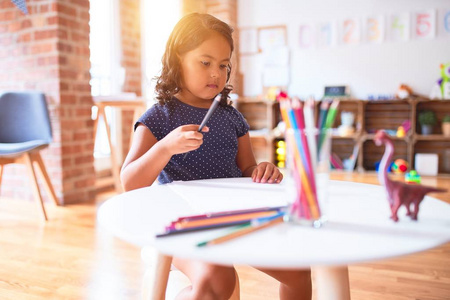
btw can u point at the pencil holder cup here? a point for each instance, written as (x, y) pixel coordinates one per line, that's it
(307, 175)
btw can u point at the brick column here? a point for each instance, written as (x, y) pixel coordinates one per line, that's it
(130, 27)
(48, 50)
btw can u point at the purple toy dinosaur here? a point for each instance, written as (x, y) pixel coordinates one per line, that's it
(399, 193)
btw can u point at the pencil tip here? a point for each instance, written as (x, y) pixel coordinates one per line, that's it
(202, 244)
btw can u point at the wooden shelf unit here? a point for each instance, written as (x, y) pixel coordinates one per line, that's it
(370, 116)
(263, 116)
(390, 114)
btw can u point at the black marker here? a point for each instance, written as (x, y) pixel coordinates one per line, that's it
(208, 115)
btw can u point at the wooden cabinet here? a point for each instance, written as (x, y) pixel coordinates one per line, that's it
(370, 116)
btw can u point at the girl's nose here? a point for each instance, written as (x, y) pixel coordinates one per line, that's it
(215, 73)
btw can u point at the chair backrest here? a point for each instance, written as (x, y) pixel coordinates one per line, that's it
(24, 117)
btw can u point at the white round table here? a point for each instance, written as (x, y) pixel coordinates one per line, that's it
(359, 230)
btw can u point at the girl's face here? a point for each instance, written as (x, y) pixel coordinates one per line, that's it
(204, 71)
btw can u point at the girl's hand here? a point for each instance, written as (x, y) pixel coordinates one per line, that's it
(266, 172)
(183, 139)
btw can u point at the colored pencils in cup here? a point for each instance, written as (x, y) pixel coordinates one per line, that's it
(306, 204)
(244, 229)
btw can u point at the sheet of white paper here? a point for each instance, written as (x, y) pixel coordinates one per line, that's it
(229, 194)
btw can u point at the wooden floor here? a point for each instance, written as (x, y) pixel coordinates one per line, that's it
(70, 257)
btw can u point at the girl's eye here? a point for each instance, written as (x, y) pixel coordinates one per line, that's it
(206, 63)
(223, 66)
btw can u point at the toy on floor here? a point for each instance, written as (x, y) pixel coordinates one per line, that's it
(399, 192)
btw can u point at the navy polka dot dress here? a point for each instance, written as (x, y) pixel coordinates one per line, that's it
(216, 157)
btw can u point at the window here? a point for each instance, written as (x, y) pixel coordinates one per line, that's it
(107, 76)
(106, 72)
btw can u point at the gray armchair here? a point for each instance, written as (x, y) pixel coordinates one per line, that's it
(24, 130)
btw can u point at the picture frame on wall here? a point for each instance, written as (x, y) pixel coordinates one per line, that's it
(248, 41)
(271, 37)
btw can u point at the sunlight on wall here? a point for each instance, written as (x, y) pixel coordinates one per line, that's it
(159, 18)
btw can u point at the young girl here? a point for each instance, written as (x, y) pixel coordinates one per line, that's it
(196, 68)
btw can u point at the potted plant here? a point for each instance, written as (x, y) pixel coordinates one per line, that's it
(427, 120)
(446, 125)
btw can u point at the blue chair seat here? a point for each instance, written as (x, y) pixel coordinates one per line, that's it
(16, 149)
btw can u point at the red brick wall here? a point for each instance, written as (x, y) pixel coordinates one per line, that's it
(48, 50)
(131, 60)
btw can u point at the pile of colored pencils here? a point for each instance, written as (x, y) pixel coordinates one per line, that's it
(305, 142)
(242, 218)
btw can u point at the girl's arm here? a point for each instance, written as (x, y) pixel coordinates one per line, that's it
(264, 172)
(148, 157)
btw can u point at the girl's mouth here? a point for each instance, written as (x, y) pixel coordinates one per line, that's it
(212, 86)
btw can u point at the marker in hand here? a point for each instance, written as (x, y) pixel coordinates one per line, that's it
(208, 115)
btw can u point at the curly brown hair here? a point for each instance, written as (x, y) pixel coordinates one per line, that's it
(188, 34)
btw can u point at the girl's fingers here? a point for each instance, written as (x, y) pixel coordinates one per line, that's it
(276, 176)
(189, 127)
(267, 173)
(255, 174)
(279, 178)
(260, 173)
(194, 128)
(193, 135)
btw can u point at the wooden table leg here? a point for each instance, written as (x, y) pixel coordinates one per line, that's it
(332, 283)
(155, 280)
(114, 165)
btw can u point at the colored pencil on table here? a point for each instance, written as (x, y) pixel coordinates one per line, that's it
(224, 219)
(228, 213)
(170, 232)
(244, 229)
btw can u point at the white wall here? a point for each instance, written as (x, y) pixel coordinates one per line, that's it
(158, 20)
(365, 68)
